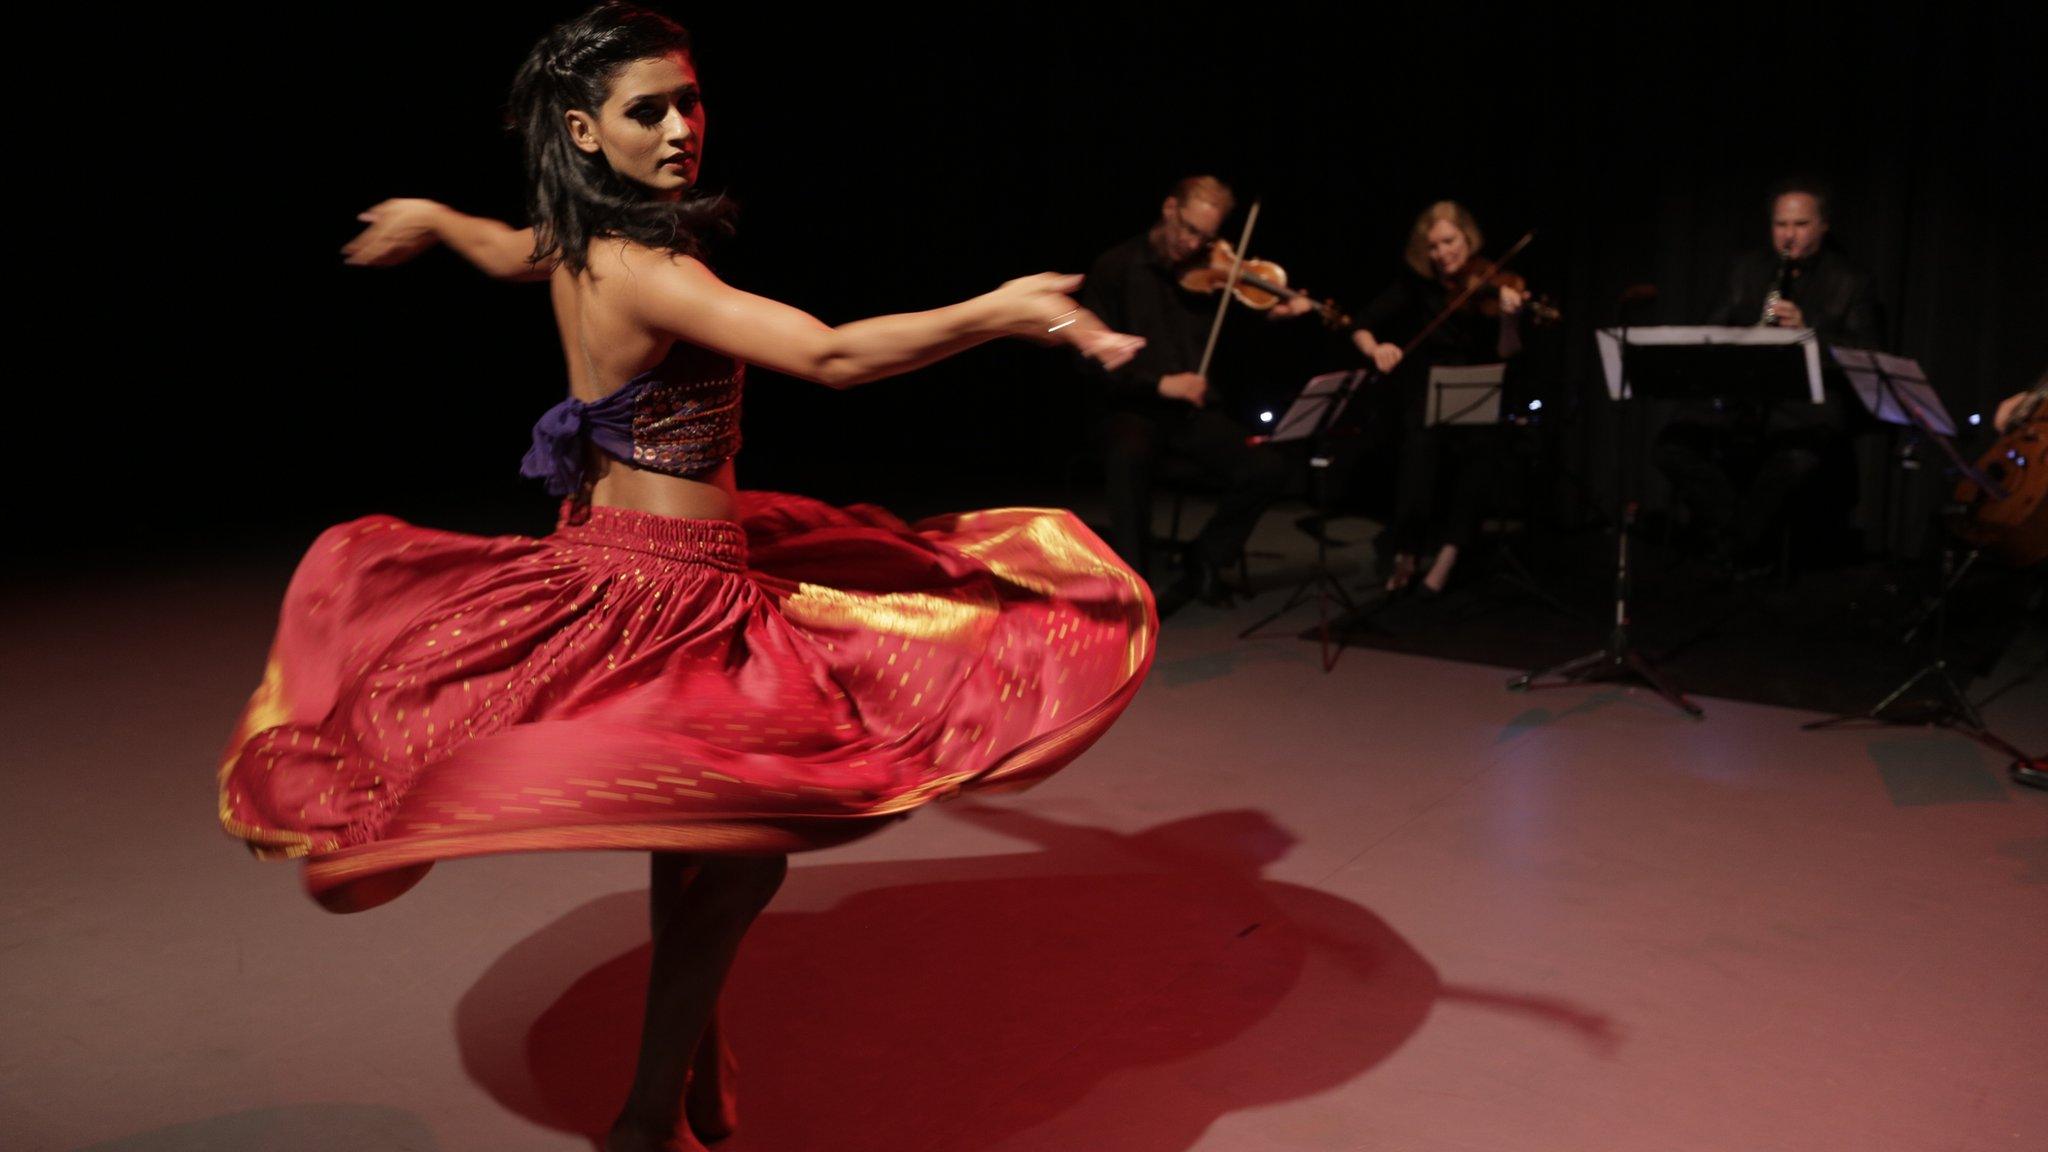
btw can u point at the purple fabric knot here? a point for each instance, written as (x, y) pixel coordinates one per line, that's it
(557, 452)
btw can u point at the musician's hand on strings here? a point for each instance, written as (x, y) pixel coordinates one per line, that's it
(1511, 301)
(2008, 408)
(1188, 386)
(1292, 306)
(1383, 356)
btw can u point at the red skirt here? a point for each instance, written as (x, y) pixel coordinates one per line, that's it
(791, 681)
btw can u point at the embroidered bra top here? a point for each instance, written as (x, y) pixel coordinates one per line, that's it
(680, 417)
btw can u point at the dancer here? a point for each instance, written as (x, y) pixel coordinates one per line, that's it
(716, 676)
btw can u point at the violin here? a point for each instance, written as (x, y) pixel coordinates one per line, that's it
(1260, 284)
(1485, 279)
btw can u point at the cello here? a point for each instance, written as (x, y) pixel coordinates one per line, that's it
(2009, 516)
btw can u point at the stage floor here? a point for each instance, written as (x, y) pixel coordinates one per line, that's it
(1390, 907)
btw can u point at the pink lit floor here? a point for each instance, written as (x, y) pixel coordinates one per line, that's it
(1392, 907)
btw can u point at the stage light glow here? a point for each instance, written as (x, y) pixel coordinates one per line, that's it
(1265, 417)
(1976, 418)
(1535, 405)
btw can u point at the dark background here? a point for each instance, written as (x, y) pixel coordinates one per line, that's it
(889, 161)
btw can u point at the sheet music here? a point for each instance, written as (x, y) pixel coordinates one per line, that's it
(1465, 394)
(1299, 421)
(1867, 372)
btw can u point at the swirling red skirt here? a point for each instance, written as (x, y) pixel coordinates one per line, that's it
(635, 681)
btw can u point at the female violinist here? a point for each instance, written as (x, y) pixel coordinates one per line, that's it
(1440, 480)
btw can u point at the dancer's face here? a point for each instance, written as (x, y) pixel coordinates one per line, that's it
(651, 128)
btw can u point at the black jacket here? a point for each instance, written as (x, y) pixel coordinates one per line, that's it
(1836, 296)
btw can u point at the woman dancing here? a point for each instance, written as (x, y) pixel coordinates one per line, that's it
(716, 676)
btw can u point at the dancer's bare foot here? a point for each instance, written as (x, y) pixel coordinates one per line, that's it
(710, 1101)
(1440, 572)
(713, 1121)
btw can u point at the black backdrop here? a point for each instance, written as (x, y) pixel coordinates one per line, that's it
(892, 161)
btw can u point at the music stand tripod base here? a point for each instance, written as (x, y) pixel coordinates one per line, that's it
(1952, 710)
(1619, 659)
(1615, 662)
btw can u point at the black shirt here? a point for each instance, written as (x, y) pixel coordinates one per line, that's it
(1134, 291)
(1465, 337)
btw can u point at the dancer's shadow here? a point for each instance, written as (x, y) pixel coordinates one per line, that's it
(1115, 992)
(298, 1127)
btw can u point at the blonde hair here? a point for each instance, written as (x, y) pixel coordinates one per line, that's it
(1418, 236)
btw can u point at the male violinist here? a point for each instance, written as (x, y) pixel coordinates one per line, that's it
(1158, 405)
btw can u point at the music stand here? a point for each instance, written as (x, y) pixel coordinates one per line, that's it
(1309, 418)
(1470, 395)
(1713, 362)
(1678, 362)
(1321, 401)
(1465, 394)
(1895, 390)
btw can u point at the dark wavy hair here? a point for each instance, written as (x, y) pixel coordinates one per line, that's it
(574, 196)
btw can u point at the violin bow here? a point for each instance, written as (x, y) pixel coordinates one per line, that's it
(1223, 299)
(1467, 294)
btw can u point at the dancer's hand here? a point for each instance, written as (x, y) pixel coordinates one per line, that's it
(398, 231)
(1041, 309)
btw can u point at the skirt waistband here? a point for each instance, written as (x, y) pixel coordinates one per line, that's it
(718, 543)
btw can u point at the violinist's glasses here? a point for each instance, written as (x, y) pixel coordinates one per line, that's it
(1180, 222)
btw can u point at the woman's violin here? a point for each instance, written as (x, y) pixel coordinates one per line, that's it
(1485, 279)
(1260, 284)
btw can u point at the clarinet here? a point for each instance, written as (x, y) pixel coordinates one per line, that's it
(1777, 292)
